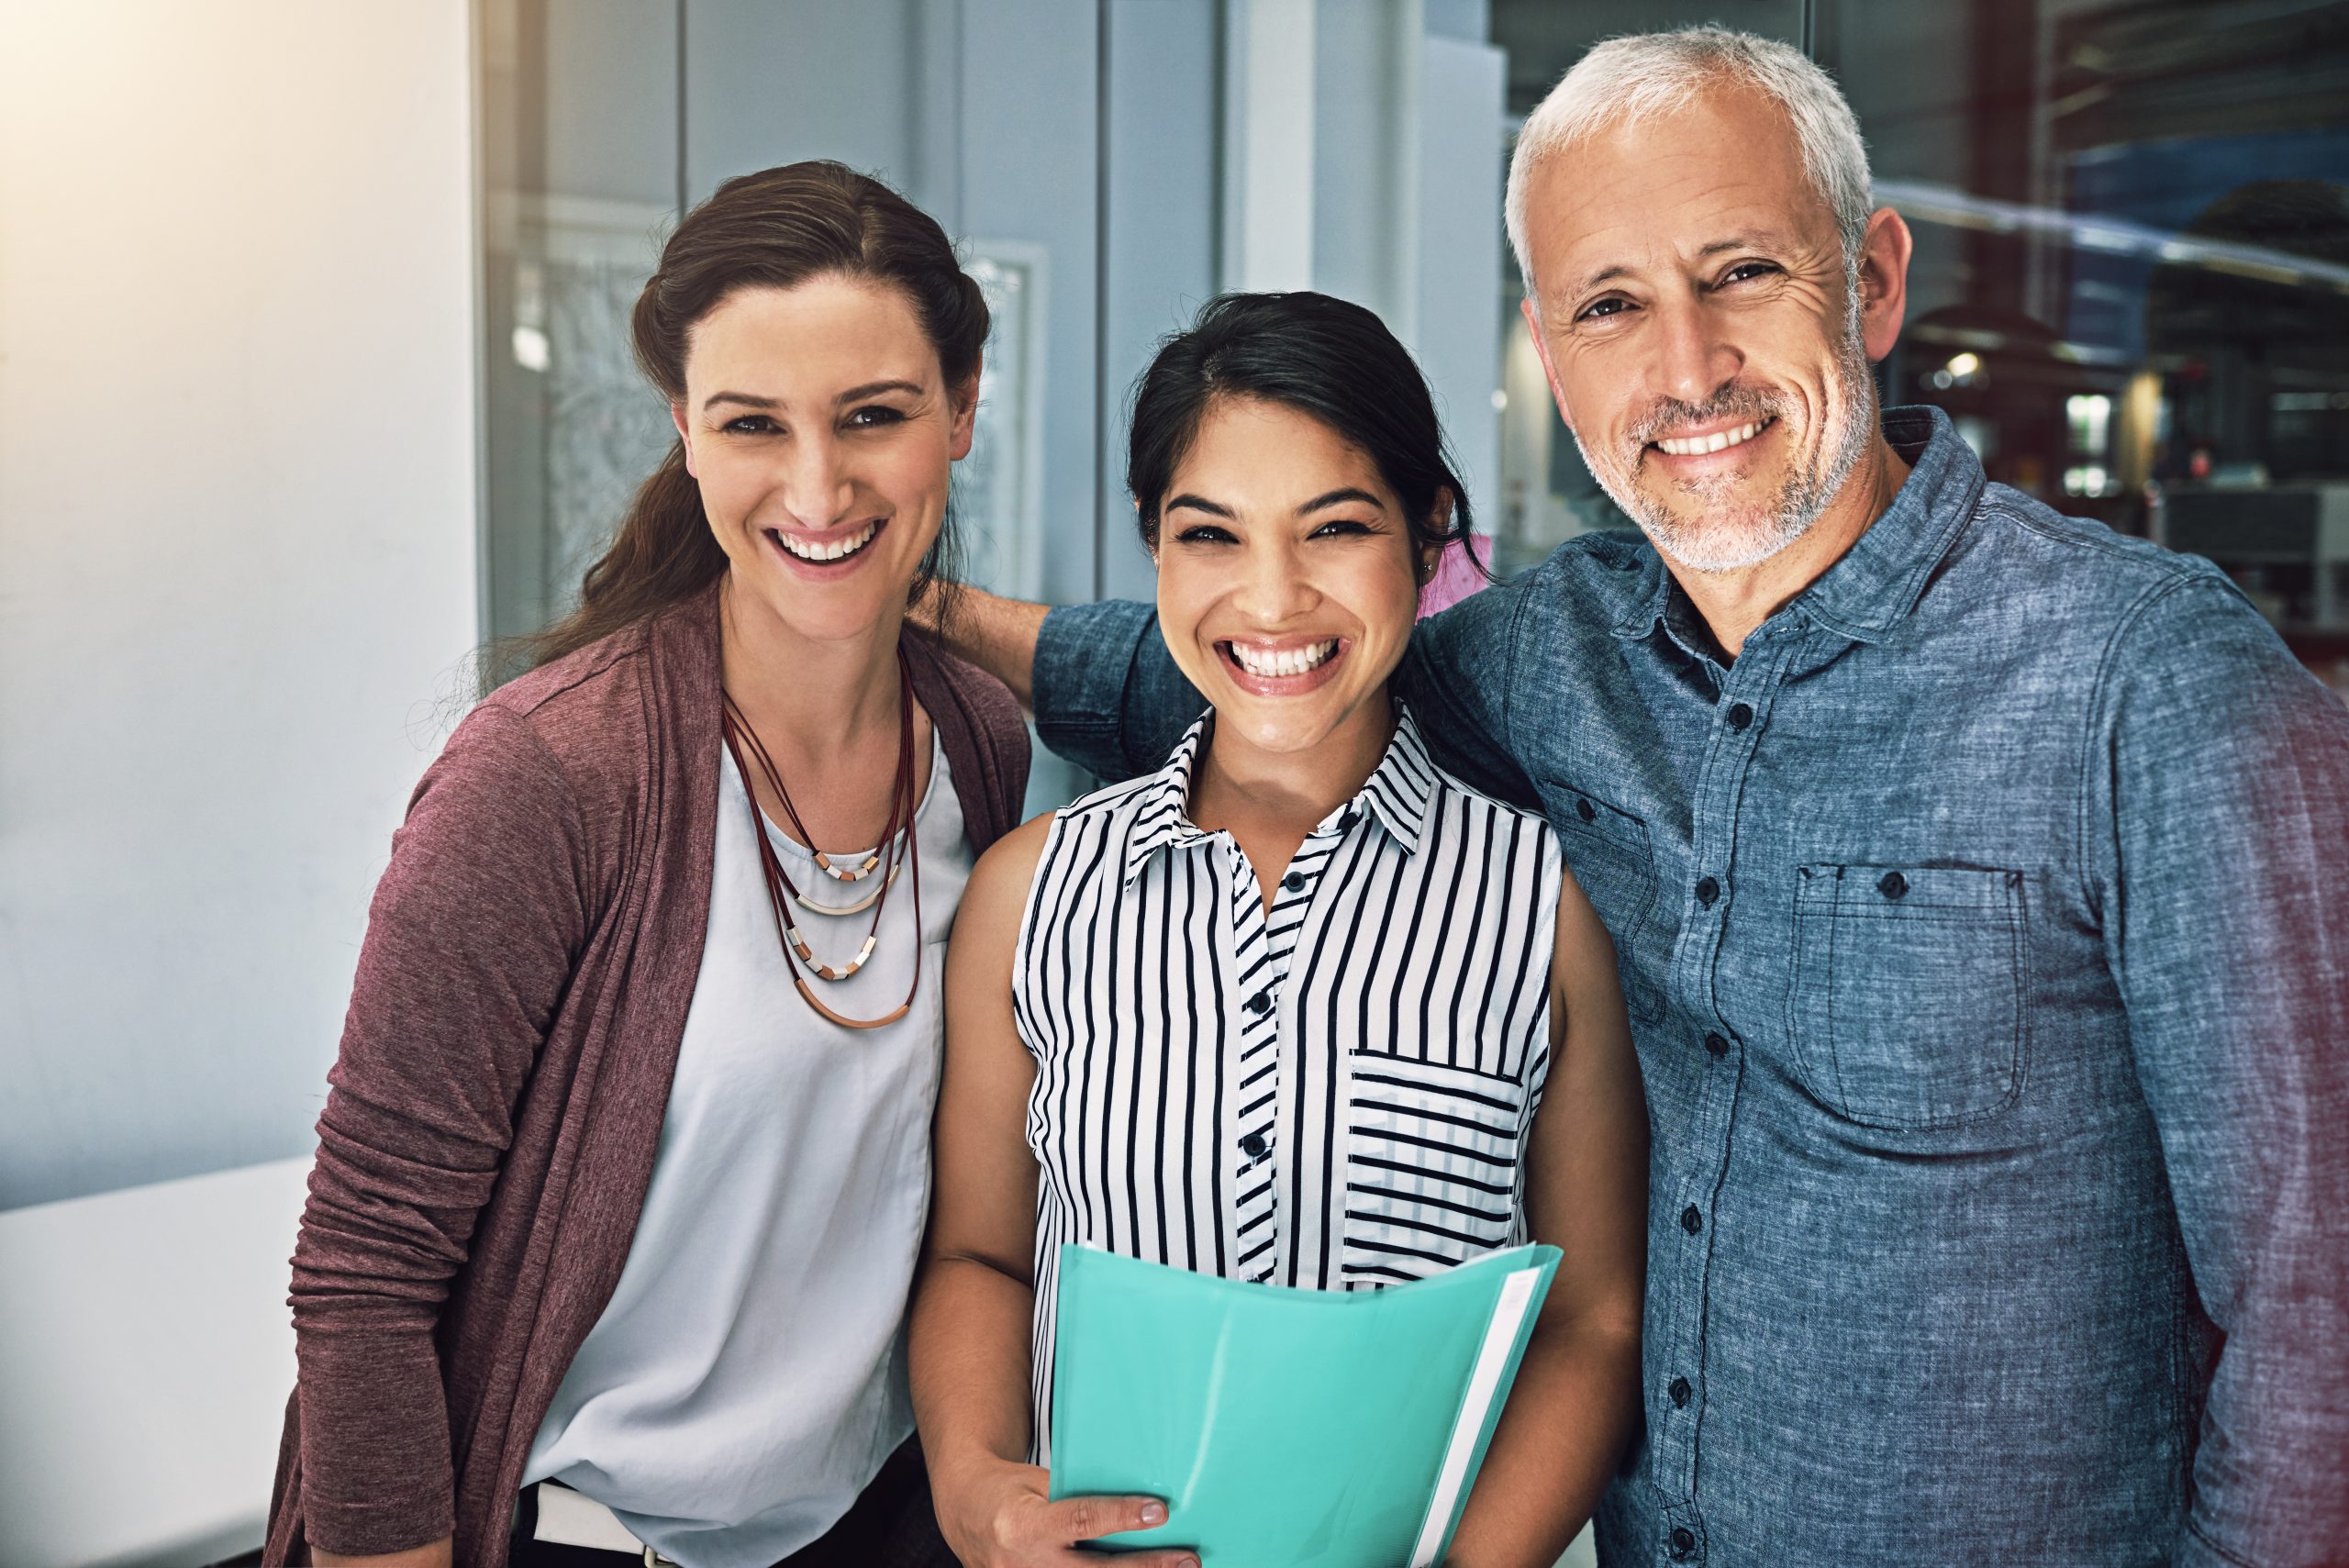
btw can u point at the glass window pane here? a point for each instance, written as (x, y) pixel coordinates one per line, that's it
(2132, 279)
(580, 176)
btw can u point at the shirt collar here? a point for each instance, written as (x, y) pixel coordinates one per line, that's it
(1872, 589)
(1879, 581)
(1397, 796)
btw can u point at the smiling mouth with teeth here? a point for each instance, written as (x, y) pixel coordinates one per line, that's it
(823, 551)
(1720, 441)
(1277, 661)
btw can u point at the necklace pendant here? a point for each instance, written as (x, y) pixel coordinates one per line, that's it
(859, 908)
(824, 863)
(824, 970)
(898, 842)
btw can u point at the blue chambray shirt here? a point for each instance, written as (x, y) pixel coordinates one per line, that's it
(1985, 929)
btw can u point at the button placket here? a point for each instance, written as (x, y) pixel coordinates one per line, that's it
(1258, 1238)
(1683, 1535)
(1264, 1235)
(1734, 730)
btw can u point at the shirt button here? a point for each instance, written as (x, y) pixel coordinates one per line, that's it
(1684, 1541)
(1893, 885)
(1254, 1146)
(1691, 1220)
(1261, 1003)
(1584, 810)
(1740, 716)
(1680, 1392)
(1716, 1045)
(1294, 882)
(1707, 891)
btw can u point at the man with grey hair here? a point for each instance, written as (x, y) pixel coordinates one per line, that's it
(1980, 880)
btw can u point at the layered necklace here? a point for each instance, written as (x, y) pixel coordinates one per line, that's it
(897, 850)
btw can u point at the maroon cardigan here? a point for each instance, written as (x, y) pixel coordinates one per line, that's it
(505, 1070)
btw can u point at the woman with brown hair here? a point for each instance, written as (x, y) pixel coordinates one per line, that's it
(625, 1170)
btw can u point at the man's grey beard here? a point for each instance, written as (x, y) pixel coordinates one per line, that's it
(1720, 539)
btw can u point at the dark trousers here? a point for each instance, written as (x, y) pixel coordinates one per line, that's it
(890, 1525)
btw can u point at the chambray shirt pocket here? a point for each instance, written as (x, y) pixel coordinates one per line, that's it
(1432, 1155)
(1607, 849)
(1905, 1002)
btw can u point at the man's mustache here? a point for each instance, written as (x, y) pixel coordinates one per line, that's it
(1667, 414)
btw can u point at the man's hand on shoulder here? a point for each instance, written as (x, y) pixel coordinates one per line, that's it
(996, 634)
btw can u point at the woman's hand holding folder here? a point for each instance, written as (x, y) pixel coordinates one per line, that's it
(998, 1516)
(976, 1296)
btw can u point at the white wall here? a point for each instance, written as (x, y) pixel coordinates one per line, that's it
(237, 550)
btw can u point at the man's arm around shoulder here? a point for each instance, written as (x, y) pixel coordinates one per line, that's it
(1106, 694)
(1096, 679)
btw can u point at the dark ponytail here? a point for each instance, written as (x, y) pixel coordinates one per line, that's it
(776, 228)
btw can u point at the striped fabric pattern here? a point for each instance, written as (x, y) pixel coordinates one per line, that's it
(1331, 1093)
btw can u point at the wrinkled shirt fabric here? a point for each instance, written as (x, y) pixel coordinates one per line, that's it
(1985, 929)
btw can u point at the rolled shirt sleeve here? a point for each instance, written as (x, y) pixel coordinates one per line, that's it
(2223, 833)
(1108, 695)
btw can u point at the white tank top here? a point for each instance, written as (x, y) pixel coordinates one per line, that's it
(746, 1378)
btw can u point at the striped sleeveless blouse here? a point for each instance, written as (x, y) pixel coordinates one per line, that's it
(1333, 1094)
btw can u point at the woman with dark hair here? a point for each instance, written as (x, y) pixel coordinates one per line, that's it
(1299, 1007)
(623, 1177)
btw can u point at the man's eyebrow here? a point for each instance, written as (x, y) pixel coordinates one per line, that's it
(1755, 239)
(1197, 503)
(1336, 496)
(1604, 274)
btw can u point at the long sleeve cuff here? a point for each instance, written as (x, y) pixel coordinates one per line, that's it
(376, 1469)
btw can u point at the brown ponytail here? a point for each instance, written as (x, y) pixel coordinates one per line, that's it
(776, 228)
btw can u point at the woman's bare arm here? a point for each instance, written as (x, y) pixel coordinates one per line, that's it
(1576, 1400)
(974, 1300)
(975, 1295)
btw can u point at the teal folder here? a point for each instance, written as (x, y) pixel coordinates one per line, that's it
(1287, 1428)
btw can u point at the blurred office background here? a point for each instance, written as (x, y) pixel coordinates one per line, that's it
(314, 377)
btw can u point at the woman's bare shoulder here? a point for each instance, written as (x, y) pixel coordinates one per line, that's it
(997, 891)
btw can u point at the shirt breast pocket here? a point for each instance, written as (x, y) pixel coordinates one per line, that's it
(1606, 847)
(1905, 1008)
(1431, 1167)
